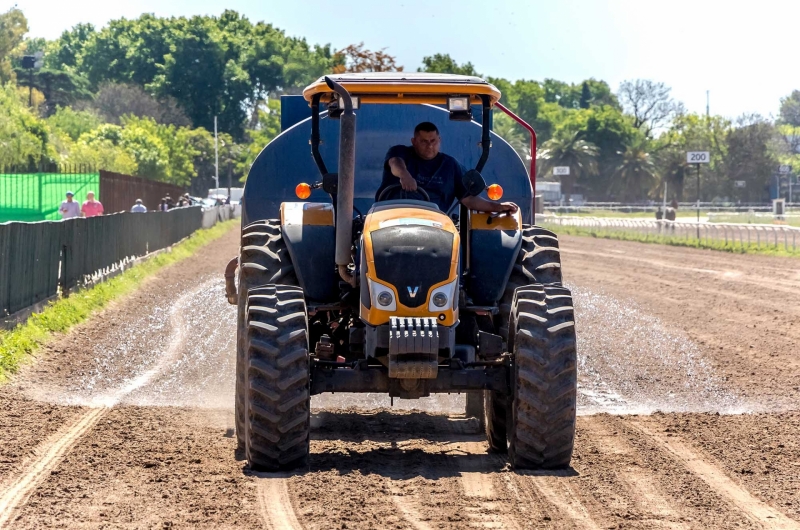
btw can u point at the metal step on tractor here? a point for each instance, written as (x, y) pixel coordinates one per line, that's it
(340, 292)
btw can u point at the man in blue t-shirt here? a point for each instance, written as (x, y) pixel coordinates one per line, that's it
(423, 165)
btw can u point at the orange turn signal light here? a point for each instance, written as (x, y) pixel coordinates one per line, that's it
(495, 192)
(303, 191)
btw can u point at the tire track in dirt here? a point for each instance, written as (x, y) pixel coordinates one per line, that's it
(477, 481)
(275, 503)
(657, 508)
(407, 506)
(755, 510)
(51, 452)
(559, 494)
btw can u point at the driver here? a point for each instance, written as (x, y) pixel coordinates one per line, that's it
(422, 164)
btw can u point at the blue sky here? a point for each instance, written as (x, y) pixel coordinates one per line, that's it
(746, 57)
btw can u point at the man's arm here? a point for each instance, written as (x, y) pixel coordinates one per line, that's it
(399, 170)
(484, 205)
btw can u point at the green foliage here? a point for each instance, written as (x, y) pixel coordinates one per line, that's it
(267, 128)
(62, 315)
(72, 122)
(24, 137)
(60, 88)
(13, 27)
(210, 65)
(636, 172)
(442, 63)
(790, 109)
(569, 149)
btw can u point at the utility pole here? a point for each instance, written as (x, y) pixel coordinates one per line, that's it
(216, 155)
(708, 105)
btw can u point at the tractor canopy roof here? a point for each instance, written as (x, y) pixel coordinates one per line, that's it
(405, 88)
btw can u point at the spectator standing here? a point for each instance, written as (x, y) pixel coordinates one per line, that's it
(138, 207)
(163, 206)
(228, 200)
(91, 208)
(69, 208)
(170, 203)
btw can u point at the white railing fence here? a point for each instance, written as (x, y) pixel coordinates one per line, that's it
(741, 234)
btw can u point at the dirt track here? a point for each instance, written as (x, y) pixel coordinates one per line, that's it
(689, 390)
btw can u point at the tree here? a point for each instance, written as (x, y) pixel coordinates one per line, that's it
(749, 158)
(442, 63)
(691, 132)
(24, 137)
(115, 100)
(356, 59)
(586, 96)
(790, 109)
(649, 103)
(60, 88)
(73, 123)
(13, 27)
(568, 150)
(636, 172)
(221, 66)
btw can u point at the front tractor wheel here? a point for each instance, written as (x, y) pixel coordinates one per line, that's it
(544, 378)
(278, 404)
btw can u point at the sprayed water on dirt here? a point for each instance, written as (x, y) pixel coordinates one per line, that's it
(629, 362)
(181, 353)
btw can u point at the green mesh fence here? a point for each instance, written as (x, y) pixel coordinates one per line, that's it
(37, 196)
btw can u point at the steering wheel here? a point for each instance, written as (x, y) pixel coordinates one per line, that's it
(388, 190)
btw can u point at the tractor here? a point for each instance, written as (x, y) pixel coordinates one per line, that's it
(340, 292)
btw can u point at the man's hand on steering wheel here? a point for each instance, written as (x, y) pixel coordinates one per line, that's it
(408, 182)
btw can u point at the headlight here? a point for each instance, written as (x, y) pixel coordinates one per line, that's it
(382, 296)
(442, 295)
(440, 299)
(385, 299)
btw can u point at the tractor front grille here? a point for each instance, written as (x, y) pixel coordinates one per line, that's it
(412, 259)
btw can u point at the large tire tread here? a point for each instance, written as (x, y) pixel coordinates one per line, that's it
(263, 259)
(542, 430)
(538, 261)
(278, 406)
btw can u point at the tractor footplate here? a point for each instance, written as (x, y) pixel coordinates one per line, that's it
(413, 348)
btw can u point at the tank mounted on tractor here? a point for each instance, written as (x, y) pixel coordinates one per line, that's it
(338, 292)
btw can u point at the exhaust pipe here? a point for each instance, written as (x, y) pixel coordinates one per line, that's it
(346, 188)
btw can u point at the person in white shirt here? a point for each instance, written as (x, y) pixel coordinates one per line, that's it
(139, 207)
(69, 208)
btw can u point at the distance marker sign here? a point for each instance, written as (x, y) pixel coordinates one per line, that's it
(697, 157)
(561, 170)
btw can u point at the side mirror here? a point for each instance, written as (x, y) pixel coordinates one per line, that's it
(473, 182)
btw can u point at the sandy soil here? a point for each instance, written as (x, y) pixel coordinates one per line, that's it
(688, 399)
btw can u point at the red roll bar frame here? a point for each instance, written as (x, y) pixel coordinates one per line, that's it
(532, 173)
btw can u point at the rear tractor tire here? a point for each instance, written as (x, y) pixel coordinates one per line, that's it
(541, 432)
(278, 403)
(263, 259)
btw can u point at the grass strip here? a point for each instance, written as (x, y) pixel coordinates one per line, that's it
(62, 314)
(769, 249)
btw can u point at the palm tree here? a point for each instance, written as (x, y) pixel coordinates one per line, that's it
(636, 172)
(569, 150)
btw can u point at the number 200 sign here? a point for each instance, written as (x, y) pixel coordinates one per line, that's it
(697, 157)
